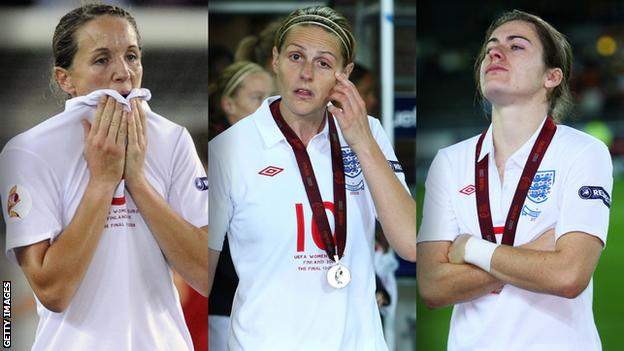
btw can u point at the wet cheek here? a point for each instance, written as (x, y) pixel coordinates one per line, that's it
(331, 82)
(137, 75)
(97, 80)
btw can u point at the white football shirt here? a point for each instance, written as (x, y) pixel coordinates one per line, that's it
(570, 192)
(283, 300)
(127, 300)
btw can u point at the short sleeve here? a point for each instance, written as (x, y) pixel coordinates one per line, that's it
(386, 148)
(31, 203)
(221, 207)
(439, 221)
(586, 193)
(189, 188)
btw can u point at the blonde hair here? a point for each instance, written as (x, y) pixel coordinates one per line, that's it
(326, 18)
(228, 84)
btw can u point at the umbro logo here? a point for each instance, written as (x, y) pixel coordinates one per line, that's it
(468, 189)
(270, 171)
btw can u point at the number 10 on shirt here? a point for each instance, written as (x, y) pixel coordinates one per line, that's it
(316, 236)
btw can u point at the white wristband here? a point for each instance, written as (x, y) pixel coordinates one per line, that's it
(479, 252)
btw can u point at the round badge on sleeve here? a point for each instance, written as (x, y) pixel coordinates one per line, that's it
(338, 276)
(18, 204)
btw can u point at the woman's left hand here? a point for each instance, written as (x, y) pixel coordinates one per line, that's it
(137, 144)
(351, 114)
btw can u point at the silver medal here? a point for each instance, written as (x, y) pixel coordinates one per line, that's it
(338, 276)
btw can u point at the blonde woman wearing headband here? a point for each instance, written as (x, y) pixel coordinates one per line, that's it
(297, 186)
(237, 93)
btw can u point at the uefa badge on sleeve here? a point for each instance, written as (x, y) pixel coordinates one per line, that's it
(18, 204)
(590, 192)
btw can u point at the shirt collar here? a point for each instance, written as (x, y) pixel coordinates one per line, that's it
(488, 144)
(93, 98)
(520, 156)
(270, 132)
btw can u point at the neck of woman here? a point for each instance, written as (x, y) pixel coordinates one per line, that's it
(306, 127)
(512, 127)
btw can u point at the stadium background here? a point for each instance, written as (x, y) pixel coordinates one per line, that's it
(449, 36)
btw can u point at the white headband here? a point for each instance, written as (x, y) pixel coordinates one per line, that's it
(319, 23)
(238, 77)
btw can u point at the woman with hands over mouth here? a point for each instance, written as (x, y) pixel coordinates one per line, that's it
(103, 199)
(297, 186)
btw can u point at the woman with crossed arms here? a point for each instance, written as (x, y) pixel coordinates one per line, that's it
(515, 219)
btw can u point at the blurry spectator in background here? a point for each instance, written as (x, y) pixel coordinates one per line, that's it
(238, 92)
(366, 85)
(386, 289)
(257, 48)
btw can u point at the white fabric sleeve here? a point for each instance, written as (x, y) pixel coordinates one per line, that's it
(31, 199)
(586, 194)
(439, 221)
(386, 148)
(188, 195)
(384, 144)
(221, 207)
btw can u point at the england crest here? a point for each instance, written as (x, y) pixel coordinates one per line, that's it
(541, 186)
(352, 169)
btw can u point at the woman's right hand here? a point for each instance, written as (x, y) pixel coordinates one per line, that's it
(105, 142)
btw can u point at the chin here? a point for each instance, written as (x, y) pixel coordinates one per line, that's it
(499, 98)
(493, 91)
(307, 109)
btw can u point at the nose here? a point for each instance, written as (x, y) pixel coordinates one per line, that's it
(307, 71)
(121, 71)
(495, 54)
